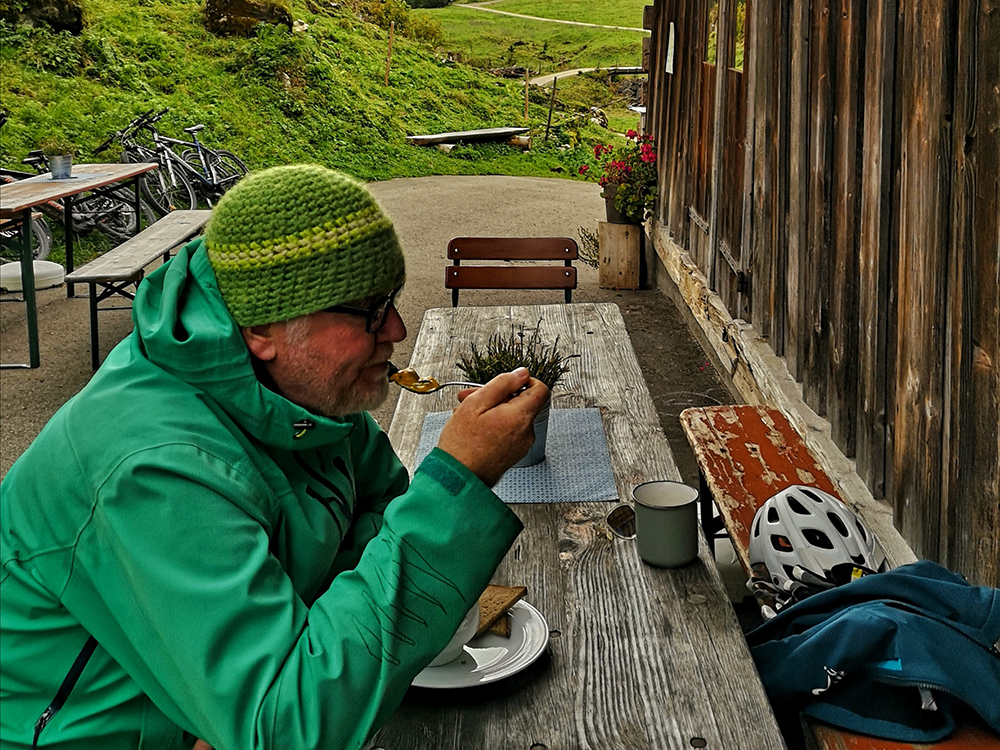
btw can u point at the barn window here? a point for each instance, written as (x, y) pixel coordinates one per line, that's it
(712, 32)
(739, 34)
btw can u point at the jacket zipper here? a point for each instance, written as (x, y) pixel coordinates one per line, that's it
(68, 683)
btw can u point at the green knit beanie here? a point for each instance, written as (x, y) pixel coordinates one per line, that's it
(288, 241)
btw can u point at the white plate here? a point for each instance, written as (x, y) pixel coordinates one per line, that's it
(493, 657)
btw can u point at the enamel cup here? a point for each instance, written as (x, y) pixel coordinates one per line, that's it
(666, 523)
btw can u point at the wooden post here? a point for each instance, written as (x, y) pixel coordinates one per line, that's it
(526, 95)
(620, 247)
(552, 102)
(388, 57)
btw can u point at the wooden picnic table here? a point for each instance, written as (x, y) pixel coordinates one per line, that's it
(638, 657)
(17, 199)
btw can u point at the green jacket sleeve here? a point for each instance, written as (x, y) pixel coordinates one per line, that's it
(176, 581)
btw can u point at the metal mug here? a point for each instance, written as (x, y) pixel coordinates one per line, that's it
(666, 523)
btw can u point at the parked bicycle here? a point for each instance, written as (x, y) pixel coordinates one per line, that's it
(189, 171)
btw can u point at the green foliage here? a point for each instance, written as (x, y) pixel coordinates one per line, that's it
(278, 97)
(384, 13)
(504, 353)
(628, 166)
(58, 144)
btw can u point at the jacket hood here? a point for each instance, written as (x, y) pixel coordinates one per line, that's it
(183, 327)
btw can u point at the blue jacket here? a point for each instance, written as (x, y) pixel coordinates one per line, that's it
(887, 655)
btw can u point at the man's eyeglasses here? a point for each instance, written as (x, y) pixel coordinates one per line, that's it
(375, 314)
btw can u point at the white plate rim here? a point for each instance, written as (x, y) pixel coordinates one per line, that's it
(520, 659)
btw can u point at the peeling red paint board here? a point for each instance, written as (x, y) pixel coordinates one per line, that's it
(965, 737)
(747, 454)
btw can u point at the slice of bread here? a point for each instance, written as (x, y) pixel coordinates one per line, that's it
(501, 627)
(494, 604)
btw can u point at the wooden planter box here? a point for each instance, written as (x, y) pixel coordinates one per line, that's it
(620, 249)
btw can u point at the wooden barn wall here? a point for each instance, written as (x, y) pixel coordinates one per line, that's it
(871, 234)
(971, 465)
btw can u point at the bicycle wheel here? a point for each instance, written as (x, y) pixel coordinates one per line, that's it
(41, 241)
(113, 215)
(230, 169)
(165, 194)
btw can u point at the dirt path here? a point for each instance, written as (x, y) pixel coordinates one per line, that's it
(481, 6)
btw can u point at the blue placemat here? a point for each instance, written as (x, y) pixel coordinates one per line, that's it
(577, 466)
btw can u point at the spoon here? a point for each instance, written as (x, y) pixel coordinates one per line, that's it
(409, 380)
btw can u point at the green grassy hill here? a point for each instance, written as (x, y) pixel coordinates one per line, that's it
(279, 97)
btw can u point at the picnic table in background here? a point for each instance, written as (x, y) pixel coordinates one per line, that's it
(18, 198)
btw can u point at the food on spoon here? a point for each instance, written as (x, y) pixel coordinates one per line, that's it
(494, 604)
(408, 379)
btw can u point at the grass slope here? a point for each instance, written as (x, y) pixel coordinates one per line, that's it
(275, 98)
(494, 40)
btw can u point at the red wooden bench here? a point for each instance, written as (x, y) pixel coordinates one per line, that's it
(745, 455)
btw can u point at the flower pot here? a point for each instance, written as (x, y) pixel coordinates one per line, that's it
(61, 166)
(614, 216)
(536, 454)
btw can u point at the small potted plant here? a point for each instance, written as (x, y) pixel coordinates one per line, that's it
(59, 151)
(506, 352)
(627, 172)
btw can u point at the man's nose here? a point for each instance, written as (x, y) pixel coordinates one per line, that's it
(394, 329)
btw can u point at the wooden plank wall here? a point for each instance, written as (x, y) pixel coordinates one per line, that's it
(872, 233)
(924, 206)
(971, 499)
(876, 311)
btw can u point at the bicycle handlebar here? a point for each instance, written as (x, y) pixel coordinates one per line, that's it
(143, 120)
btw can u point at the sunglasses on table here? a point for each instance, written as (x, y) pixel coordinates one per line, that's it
(621, 521)
(374, 313)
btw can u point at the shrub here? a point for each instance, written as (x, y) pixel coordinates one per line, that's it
(504, 353)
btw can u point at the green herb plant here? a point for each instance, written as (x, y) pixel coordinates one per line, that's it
(504, 353)
(58, 144)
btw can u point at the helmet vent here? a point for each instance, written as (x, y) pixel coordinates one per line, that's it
(838, 524)
(864, 534)
(772, 515)
(817, 538)
(756, 527)
(812, 495)
(781, 543)
(798, 507)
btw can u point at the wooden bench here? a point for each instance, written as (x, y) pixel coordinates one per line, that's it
(125, 265)
(746, 454)
(563, 249)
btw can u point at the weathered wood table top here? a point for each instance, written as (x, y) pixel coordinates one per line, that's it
(638, 657)
(18, 196)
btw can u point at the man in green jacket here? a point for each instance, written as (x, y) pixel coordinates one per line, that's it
(214, 539)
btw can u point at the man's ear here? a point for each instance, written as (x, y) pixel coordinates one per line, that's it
(260, 341)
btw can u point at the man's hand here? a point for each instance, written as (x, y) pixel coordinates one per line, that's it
(491, 430)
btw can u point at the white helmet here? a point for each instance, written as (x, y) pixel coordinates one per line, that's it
(802, 534)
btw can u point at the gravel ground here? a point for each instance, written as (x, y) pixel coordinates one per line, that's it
(427, 212)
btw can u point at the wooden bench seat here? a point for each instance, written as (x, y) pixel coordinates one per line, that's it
(510, 276)
(747, 454)
(124, 266)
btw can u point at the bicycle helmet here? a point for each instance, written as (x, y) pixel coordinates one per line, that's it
(805, 536)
